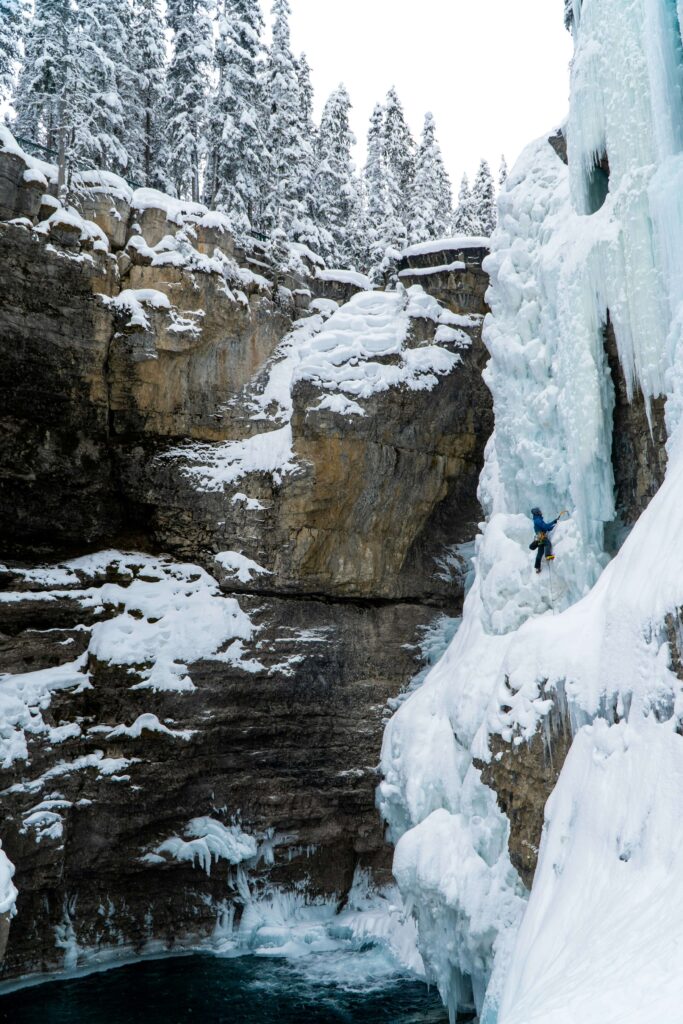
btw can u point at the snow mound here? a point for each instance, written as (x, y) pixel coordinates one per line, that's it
(345, 277)
(133, 300)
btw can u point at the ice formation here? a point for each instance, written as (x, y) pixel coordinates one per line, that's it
(575, 245)
(8, 892)
(209, 841)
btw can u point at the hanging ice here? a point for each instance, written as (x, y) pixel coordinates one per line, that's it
(600, 238)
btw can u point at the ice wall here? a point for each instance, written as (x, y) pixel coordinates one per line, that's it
(575, 244)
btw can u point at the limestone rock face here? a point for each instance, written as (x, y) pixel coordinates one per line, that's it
(132, 364)
(453, 275)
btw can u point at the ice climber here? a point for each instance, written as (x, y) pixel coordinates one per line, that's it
(541, 542)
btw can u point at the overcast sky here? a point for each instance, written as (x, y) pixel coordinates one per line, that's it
(493, 72)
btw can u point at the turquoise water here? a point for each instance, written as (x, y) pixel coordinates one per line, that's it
(214, 990)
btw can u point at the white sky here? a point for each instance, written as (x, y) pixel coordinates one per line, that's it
(493, 72)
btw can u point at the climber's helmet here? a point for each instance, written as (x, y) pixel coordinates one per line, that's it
(536, 512)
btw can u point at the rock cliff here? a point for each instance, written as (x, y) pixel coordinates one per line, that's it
(235, 490)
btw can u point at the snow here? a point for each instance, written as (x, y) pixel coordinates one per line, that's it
(159, 618)
(303, 250)
(344, 356)
(133, 300)
(345, 277)
(212, 467)
(8, 144)
(455, 242)
(208, 842)
(101, 182)
(594, 639)
(8, 892)
(239, 566)
(175, 210)
(600, 940)
(446, 268)
(150, 723)
(34, 175)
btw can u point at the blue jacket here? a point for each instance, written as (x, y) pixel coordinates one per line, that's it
(540, 526)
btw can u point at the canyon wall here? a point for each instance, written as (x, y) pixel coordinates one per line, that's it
(225, 552)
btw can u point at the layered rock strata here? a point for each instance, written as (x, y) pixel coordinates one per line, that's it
(293, 527)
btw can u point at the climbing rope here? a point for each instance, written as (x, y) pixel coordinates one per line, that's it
(550, 582)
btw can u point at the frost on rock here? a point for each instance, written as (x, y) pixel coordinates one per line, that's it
(575, 247)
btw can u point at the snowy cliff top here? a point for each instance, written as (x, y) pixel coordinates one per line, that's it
(345, 277)
(8, 144)
(358, 350)
(454, 243)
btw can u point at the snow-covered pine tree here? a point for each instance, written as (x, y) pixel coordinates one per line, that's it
(431, 198)
(12, 24)
(102, 48)
(303, 74)
(311, 225)
(187, 83)
(47, 78)
(384, 228)
(336, 188)
(143, 100)
(238, 168)
(484, 200)
(464, 218)
(399, 150)
(286, 214)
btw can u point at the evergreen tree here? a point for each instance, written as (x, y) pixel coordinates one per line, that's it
(303, 74)
(399, 149)
(484, 200)
(144, 100)
(187, 86)
(431, 199)
(48, 75)
(102, 45)
(336, 188)
(238, 174)
(465, 221)
(12, 21)
(503, 171)
(287, 213)
(384, 228)
(311, 223)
